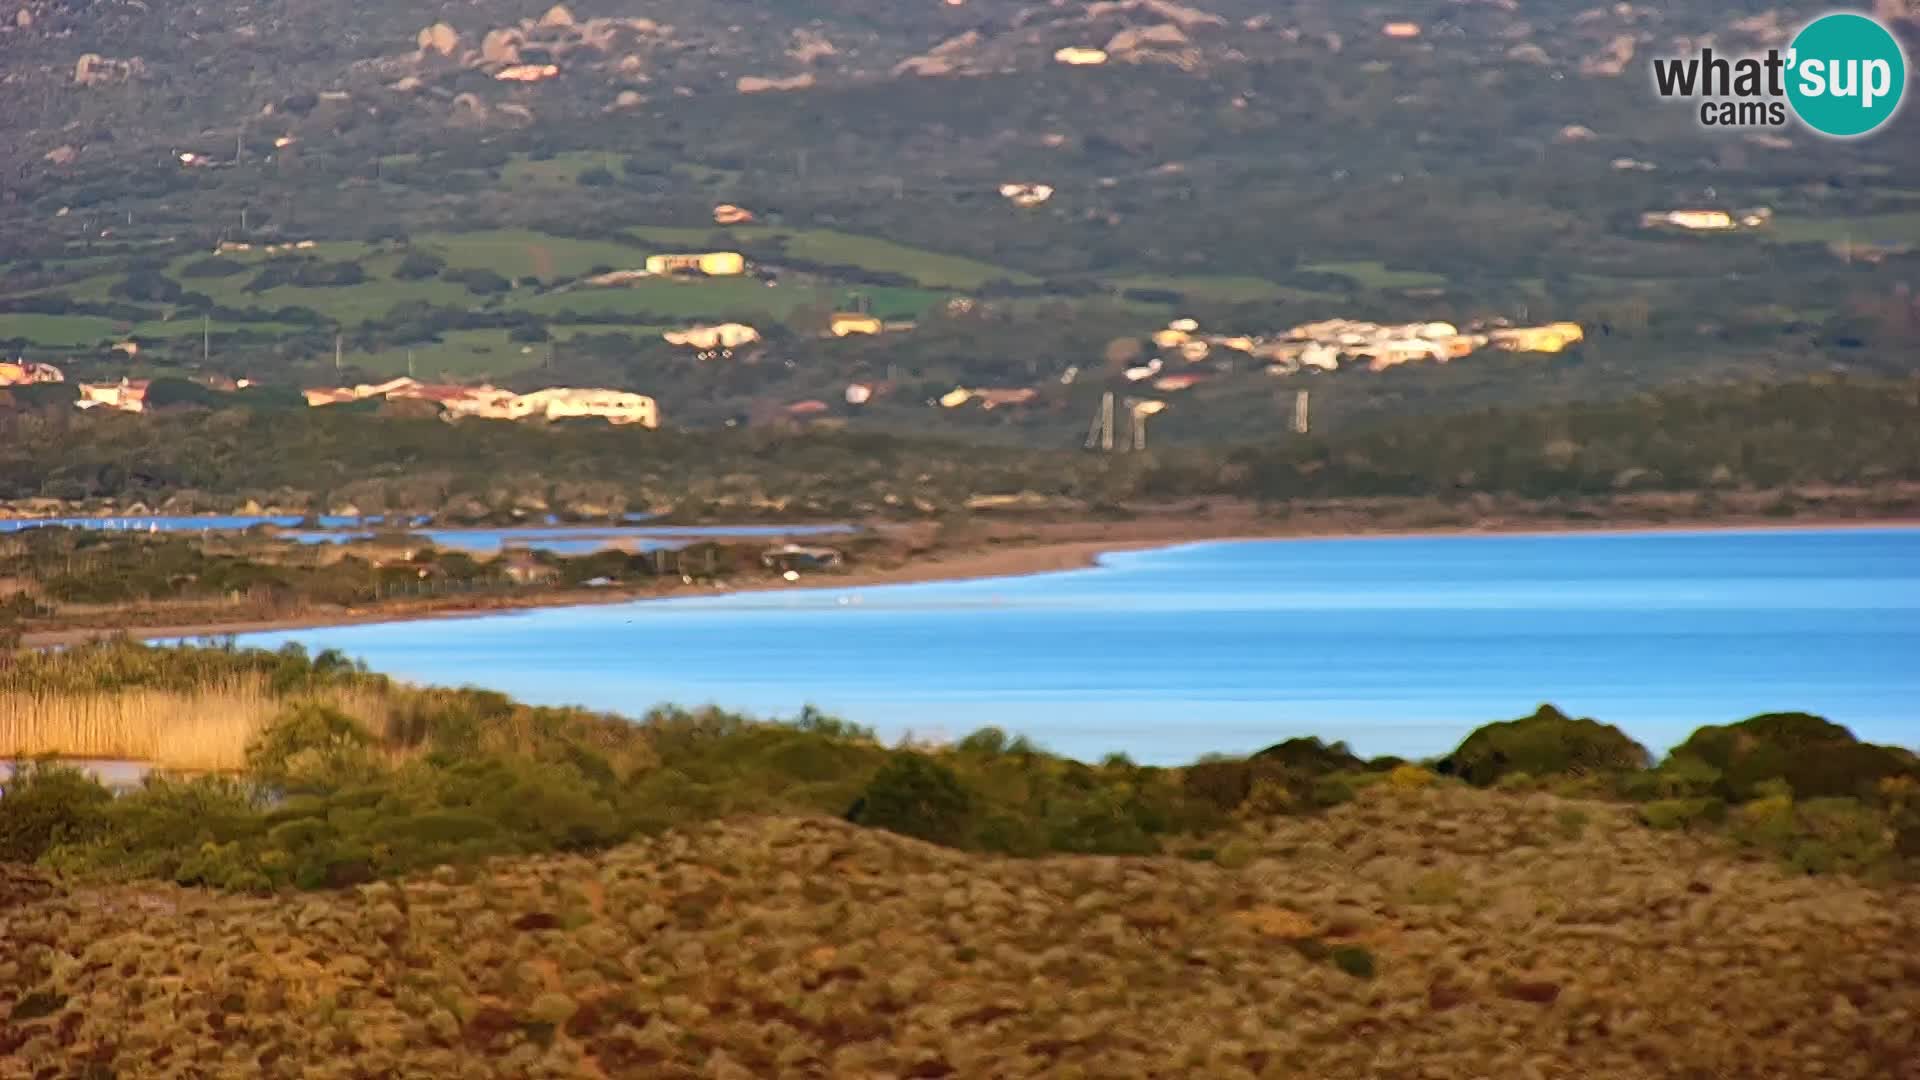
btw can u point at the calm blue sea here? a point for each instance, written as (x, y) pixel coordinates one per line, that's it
(1395, 645)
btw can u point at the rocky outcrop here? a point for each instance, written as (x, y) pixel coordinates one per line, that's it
(810, 45)
(502, 46)
(943, 59)
(754, 84)
(92, 69)
(1612, 60)
(438, 38)
(1134, 39)
(1178, 14)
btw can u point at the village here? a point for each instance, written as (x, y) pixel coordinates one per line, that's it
(1182, 356)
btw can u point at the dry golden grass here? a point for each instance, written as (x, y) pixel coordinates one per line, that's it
(206, 730)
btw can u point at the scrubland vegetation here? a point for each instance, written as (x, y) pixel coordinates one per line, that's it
(445, 882)
(320, 773)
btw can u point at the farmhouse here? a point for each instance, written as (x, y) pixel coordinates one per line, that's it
(712, 264)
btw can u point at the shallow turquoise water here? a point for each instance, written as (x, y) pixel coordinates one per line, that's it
(1396, 645)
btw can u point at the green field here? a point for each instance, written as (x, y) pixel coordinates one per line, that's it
(77, 331)
(190, 327)
(717, 298)
(1375, 275)
(1902, 228)
(562, 170)
(58, 331)
(637, 332)
(522, 253)
(831, 246)
(460, 353)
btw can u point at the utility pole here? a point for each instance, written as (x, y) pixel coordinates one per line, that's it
(409, 363)
(1300, 412)
(336, 350)
(1102, 428)
(1139, 429)
(206, 339)
(243, 221)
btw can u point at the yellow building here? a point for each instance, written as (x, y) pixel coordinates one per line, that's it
(1689, 219)
(712, 264)
(1551, 338)
(956, 397)
(844, 323)
(28, 371)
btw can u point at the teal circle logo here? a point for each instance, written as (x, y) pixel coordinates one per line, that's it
(1845, 75)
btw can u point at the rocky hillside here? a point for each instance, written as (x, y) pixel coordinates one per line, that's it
(1439, 932)
(99, 78)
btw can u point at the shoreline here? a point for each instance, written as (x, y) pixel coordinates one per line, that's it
(999, 559)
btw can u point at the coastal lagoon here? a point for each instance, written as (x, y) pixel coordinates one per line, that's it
(1396, 645)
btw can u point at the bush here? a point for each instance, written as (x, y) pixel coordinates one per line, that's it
(1548, 743)
(167, 391)
(1409, 778)
(479, 282)
(312, 748)
(1330, 791)
(1312, 756)
(160, 830)
(1682, 813)
(418, 264)
(916, 796)
(45, 804)
(1814, 757)
(1354, 960)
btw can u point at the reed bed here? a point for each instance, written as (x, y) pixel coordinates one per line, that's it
(204, 729)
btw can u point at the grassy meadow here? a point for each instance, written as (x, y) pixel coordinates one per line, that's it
(1375, 275)
(930, 269)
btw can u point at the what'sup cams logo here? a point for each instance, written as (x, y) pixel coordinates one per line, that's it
(1843, 75)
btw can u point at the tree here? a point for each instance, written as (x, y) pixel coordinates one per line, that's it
(916, 796)
(169, 390)
(419, 264)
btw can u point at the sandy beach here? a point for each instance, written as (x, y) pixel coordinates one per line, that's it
(1006, 549)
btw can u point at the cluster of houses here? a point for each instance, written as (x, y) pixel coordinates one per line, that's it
(493, 403)
(552, 403)
(25, 372)
(1327, 345)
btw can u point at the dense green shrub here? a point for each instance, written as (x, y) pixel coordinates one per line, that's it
(1548, 743)
(1355, 960)
(916, 796)
(418, 264)
(312, 748)
(1813, 756)
(44, 804)
(160, 830)
(1682, 813)
(1310, 755)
